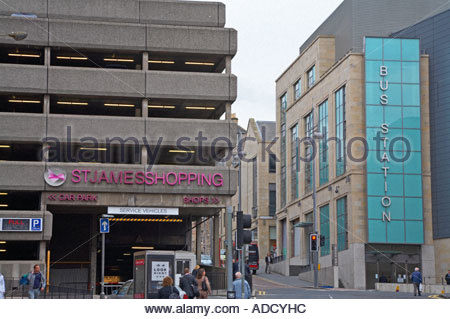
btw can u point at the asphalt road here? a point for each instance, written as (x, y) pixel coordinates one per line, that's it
(275, 286)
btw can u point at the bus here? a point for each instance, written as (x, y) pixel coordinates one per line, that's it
(253, 257)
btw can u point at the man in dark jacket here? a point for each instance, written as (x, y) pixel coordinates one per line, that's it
(447, 278)
(416, 278)
(187, 283)
(268, 261)
(36, 281)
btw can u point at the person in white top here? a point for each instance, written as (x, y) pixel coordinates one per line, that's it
(2, 286)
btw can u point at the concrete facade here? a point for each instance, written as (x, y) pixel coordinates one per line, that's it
(256, 178)
(351, 270)
(152, 106)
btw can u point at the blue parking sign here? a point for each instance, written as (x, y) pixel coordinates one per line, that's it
(36, 224)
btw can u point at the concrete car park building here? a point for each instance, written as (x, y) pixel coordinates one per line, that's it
(111, 106)
(366, 95)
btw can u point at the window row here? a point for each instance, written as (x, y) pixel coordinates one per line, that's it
(128, 153)
(111, 59)
(318, 132)
(106, 106)
(341, 224)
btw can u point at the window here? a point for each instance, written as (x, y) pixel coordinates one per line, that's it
(340, 131)
(295, 247)
(342, 224)
(294, 162)
(325, 229)
(309, 127)
(255, 234)
(283, 104)
(272, 163)
(323, 145)
(298, 89)
(272, 199)
(311, 76)
(283, 237)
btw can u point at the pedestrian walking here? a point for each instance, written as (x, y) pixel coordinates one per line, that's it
(194, 272)
(36, 281)
(237, 287)
(189, 285)
(416, 278)
(236, 267)
(248, 275)
(268, 261)
(203, 284)
(168, 291)
(2, 286)
(447, 278)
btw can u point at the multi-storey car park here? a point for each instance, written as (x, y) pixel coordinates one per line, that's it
(109, 105)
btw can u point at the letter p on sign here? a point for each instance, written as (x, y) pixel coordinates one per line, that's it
(36, 224)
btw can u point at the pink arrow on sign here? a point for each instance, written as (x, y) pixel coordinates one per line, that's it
(52, 175)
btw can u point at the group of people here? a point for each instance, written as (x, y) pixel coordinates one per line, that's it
(195, 285)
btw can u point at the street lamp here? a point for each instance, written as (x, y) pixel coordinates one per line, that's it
(315, 135)
(18, 36)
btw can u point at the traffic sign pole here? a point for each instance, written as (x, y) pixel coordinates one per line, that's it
(102, 293)
(104, 228)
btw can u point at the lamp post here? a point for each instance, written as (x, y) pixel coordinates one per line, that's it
(18, 36)
(316, 135)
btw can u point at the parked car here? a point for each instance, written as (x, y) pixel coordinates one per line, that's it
(206, 260)
(126, 291)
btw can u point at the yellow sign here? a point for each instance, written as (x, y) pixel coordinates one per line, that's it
(112, 279)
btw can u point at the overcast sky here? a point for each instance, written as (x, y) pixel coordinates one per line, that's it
(270, 33)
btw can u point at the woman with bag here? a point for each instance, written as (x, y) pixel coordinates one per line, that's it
(203, 284)
(168, 291)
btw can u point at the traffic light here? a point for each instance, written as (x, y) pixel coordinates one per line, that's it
(322, 240)
(243, 236)
(313, 242)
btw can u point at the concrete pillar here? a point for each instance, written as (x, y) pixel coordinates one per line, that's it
(43, 202)
(228, 111)
(46, 104)
(144, 109)
(47, 57)
(198, 241)
(144, 155)
(145, 61)
(228, 65)
(216, 240)
(93, 254)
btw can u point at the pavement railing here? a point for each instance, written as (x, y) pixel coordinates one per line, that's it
(14, 290)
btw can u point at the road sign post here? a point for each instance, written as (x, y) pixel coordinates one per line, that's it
(104, 229)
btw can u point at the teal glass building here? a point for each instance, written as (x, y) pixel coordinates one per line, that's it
(393, 130)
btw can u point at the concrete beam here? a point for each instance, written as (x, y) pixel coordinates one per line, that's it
(93, 10)
(46, 234)
(190, 85)
(22, 127)
(100, 82)
(207, 14)
(191, 40)
(26, 79)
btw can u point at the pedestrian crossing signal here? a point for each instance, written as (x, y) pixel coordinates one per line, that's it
(322, 240)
